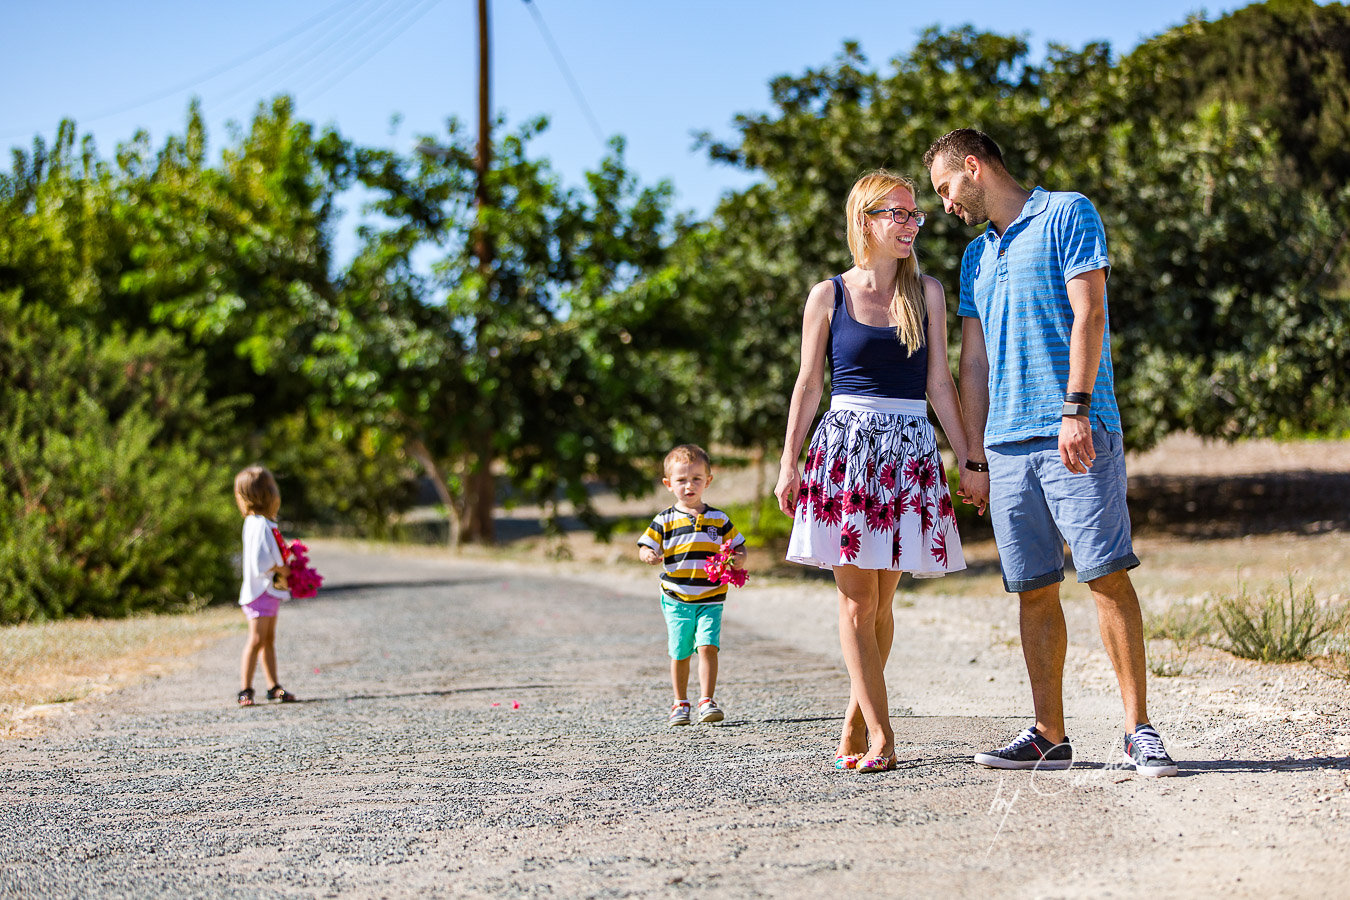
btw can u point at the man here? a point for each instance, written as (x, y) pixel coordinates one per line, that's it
(1037, 386)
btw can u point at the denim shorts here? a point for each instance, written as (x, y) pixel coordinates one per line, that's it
(690, 625)
(1037, 504)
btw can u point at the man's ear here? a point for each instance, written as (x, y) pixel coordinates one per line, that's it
(973, 166)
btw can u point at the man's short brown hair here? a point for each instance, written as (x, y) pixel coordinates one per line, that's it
(955, 146)
(686, 453)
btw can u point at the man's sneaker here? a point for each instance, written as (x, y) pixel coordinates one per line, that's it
(679, 713)
(1144, 750)
(1029, 750)
(709, 711)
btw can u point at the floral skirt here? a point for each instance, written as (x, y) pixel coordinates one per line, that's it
(874, 493)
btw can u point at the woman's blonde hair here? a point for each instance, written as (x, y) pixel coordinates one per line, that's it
(255, 490)
(907, 305)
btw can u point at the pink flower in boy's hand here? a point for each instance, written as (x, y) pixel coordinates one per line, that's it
(720, 570)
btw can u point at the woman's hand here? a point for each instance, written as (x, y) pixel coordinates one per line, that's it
(789, 484)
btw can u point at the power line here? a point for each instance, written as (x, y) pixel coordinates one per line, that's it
(209, 75)
(342, 31)
(411, 15)
(567, 73)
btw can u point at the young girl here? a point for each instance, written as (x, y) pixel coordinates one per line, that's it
(265, 574)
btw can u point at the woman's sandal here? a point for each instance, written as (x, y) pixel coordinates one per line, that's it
(877, 763)
(847, 760)
(245, 697)
(277, 692)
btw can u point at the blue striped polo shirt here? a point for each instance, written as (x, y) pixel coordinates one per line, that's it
(1015, 284)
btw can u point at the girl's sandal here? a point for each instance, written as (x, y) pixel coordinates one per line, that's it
(245, 697)
(878, 763)
(847, 760)
(277, 692)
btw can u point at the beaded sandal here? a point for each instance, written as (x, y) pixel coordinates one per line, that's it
(245, 697)
(877, 763)
(277, 692)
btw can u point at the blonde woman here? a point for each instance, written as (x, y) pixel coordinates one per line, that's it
(874, 500)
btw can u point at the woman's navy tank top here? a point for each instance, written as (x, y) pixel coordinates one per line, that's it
(869, 360)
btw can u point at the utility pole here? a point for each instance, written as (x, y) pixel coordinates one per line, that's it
(483, 494)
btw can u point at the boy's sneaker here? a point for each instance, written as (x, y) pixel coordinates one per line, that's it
(709, 711)
(679, 713)
(1144, 750)
(1029, 750)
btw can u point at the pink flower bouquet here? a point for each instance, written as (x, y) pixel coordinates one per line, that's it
(304, 581)
(720, 570)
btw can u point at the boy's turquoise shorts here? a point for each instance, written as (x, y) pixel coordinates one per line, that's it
(690, 625)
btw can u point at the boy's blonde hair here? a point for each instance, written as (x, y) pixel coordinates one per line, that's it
(255, 491)
(686, 453)
(907, 304)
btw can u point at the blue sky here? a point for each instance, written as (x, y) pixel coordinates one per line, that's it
(654, 73)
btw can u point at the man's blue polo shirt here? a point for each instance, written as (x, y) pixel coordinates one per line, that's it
(1015, 284)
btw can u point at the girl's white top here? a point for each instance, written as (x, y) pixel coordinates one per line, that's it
(261, 553)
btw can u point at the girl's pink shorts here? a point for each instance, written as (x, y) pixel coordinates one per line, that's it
(263, 606)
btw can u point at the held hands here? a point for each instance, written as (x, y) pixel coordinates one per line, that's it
(973, 488)
(1075, 444)
(649, 556)
(789, 484)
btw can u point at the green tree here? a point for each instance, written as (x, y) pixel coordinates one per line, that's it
(115, 478)
(542, 371)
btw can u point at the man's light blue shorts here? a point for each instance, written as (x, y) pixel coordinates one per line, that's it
(690, 625)
(1037, 504)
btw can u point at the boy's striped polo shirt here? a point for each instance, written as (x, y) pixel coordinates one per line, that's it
(685, 541)
(1015, 284)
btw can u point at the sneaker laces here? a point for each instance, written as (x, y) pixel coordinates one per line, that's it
(1148, 742)
(1026, 737)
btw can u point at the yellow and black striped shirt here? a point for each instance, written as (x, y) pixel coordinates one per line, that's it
(685, 541)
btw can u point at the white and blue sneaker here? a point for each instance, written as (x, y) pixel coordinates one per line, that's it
(1144, 750)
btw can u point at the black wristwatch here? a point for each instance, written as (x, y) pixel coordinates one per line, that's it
(1074, 409)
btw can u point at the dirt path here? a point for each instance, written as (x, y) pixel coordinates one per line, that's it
(480, 730)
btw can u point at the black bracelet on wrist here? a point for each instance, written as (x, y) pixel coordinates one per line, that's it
(1084, 398)
(1074, 409)
(974, 466)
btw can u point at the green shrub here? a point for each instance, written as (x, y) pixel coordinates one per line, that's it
(113, 494)
(1275, 626)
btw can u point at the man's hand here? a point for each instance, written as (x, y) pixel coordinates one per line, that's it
(973, 488)
(1075, 444)
(649, 556)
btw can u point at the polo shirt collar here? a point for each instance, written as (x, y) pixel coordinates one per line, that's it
(1035, 205)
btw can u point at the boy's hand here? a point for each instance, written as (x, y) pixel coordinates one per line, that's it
(649, 556)
(737, 557)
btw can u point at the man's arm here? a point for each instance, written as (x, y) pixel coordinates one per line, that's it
(974, 408)
(1087, 297)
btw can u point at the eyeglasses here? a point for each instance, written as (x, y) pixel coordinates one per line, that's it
(900, 215)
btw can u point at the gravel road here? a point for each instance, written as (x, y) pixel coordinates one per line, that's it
(471, 729)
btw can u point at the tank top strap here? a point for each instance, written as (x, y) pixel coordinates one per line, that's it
(838, 282)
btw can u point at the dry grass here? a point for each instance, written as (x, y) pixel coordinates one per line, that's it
(45, 666)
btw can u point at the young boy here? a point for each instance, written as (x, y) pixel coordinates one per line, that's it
(680, 539)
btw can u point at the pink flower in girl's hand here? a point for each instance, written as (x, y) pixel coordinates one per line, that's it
(720, 570)
(304, 581)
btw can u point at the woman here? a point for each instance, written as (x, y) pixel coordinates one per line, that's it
(875, 501)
